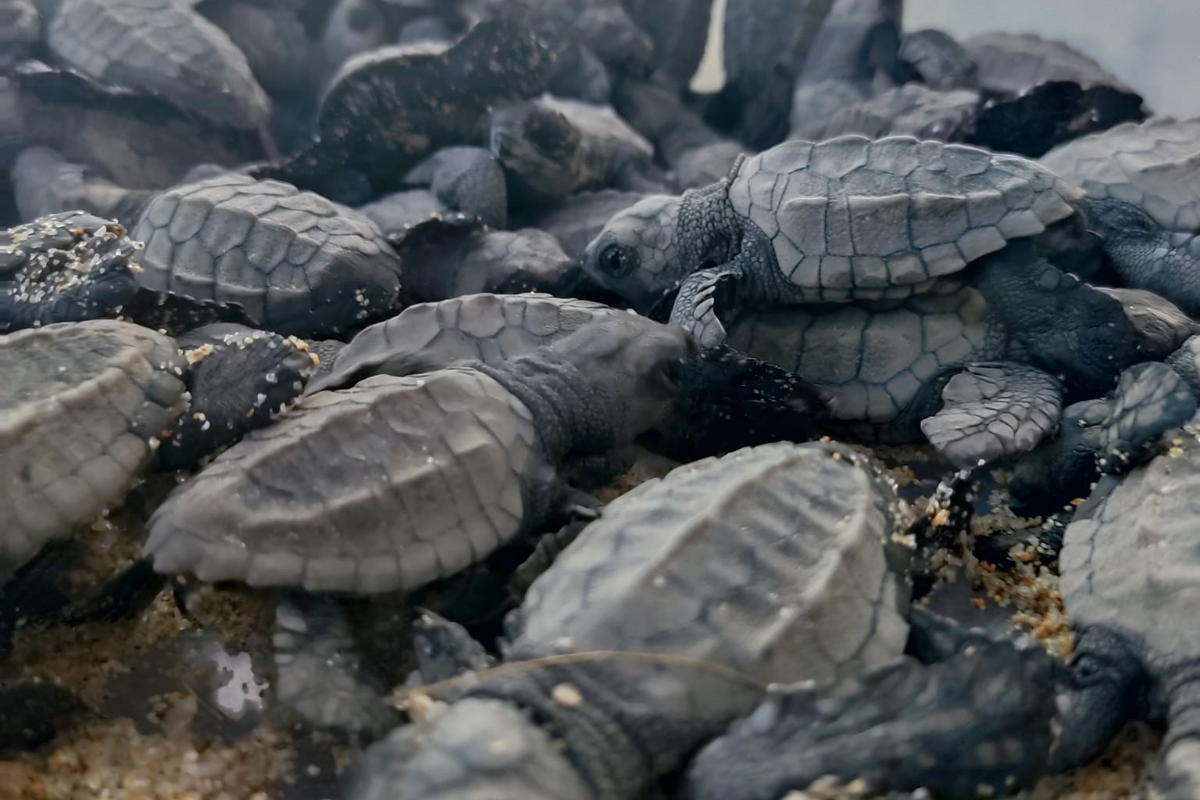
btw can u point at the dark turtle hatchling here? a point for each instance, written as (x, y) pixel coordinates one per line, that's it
(84, 407)
(1150, 165)
(1130, 585)
(164, 48)
(552, 148)
(388, 109)
(662, 622)
(467, 179)
(855, 219)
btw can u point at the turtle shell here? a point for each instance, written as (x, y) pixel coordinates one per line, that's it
(772, 560)
(388, 485)
(1154, 165)
(162, 47)
(492, 328)
(82, 407)
(1131, 558)
(297, 263)
(850, 218)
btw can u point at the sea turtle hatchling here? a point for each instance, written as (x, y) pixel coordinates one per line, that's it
(83, 407)
(663, 621)
(1130, 568)
(851, 219)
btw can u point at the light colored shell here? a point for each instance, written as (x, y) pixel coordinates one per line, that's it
(1132, 559)
(770, 560)
(492, 328)
(1154, 165)
(298, 263)
(385, 486)
(873, 362)
(850, 218)
(80, 404)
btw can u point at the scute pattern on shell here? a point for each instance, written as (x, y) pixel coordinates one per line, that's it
(298, 263)
(80, 409)
(389, 451)
(854, 218)
(642, 577)
(1152, 165)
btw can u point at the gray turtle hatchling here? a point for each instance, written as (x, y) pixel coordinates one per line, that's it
(83, 407)
(165, 48)
(853, 219)
(1130, 568)
(668, 615)
(396, 212)
(468, 179)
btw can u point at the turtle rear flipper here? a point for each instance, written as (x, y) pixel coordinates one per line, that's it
(320, 673)
(993, 410)
(239, 380)
(983, 717)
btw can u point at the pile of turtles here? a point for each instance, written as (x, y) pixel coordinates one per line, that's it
(377, 299)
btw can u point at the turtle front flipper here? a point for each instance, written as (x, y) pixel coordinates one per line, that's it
(1069, 327)
(239, 379)
(993, 410)
(1179, 772)
(445, 649)
(982, 717)
(695, 306)
(1149, 400)
(321, 675)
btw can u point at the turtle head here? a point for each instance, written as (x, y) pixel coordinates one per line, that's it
(636, 255)
(628, 370)
(1111, 217)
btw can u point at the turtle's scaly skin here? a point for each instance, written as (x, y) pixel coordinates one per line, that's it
(161, 47)
(775, 561)
(387, 485)
(932, 209)
(298, 263)
(1151, 165)
(490, 328)
(82, 410)
(467, 179)
(1131, 584)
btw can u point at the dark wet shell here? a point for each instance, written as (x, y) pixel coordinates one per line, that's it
(579, 220)
(82, 407)
(874, 363)
(1131, 560)
(1152, 165)
(388, 485)
(298, 263)
(162, 47)
(772, 560)
(492, 328)
(851, 217)
(389, 108)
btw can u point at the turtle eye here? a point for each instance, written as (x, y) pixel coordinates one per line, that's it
(618, 260)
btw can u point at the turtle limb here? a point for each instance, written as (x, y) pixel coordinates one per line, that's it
(445, 649)
(468, 179)
(993, 410)
(982, 717)
(473, 748)
(1069, 328)
(1146, 255)
(544, 553)
(239, 378)
(321, 675)
(695, 306)
(1150, 399)
(1065, 467)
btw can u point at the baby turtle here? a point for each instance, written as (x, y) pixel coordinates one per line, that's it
(662, 622)
(1130, 583)
(164, 48)
(1150, 165)
(909, 110)
(388, 109)
(855, 219)
(84, 406)
(552, 148)
(439, 469)
(296, 262)
(467, 179)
